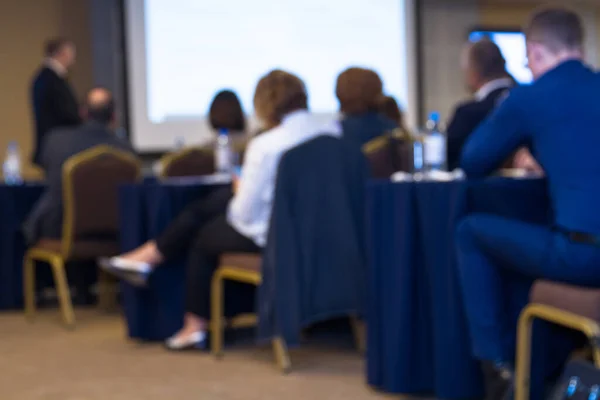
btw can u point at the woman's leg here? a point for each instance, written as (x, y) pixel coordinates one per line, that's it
(178, 236)
(213, 239)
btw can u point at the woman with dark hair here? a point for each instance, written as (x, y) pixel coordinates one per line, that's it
(360, 94)
(389, 108)
(226, 113)
(224, 222)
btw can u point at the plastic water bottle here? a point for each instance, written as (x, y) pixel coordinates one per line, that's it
(434, 144)
(418, 155)
(572, 387)
(223, 154)
(179, 143)
(594, 391)
(11, 168)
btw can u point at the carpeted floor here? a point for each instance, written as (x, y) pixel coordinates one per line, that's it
(42, 361)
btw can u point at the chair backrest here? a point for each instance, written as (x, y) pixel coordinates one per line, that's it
(91, 181)
(314, 264)
(388, 154)
(193, 161)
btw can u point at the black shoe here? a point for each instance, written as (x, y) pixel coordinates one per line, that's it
(195, 341)
(499, 380)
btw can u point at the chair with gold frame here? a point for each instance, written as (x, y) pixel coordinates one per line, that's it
(390, 153)
(191, 161)
(570, 306)
(90, 222)
(246, 268)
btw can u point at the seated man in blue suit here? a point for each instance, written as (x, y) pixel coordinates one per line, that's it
(556, 119)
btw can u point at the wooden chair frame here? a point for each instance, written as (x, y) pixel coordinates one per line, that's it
(168, 159)
(218, 323)
(57, 260)
(567, 319)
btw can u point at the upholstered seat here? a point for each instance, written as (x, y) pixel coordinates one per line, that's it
(248, 262)
(90, 205)
(574, 307)
(81, 249)
(388, 154)
(573, 299)
(193, 161)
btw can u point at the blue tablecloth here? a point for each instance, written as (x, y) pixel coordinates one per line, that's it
(156, 312)
(15, 204)
(418, 341)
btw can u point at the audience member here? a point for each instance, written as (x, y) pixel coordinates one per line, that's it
(53, 100)
(360, 93)
(389, 108)
(99, 112)
(226, 113)
(220, 223)
(498, 257)
(486, 77)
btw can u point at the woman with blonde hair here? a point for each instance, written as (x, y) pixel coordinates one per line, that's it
(360, 94)
(227, 222)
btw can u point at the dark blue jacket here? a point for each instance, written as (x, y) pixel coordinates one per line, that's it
(362, 128)
(557, 118)
(314, 264)
(465, 120)
(54, 106)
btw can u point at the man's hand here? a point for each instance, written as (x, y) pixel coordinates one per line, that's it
(523, 159)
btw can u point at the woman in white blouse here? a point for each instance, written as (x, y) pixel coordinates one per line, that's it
(221, 223)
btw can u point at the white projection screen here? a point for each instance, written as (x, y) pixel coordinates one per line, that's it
(181, 52)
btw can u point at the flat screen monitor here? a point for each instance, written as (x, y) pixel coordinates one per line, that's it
(512, 45)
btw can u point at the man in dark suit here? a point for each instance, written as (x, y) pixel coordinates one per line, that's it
(99, 112)
(556, 119)
(486, 76)
(53, 100)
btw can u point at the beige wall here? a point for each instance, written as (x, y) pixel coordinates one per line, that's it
(24, 26)
(516, 15)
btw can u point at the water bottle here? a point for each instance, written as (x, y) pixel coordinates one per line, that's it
(594, 392)
(12, 165)
(223, 154)
(179, 143)
(572, 387)
(434, 144)
(418, 155)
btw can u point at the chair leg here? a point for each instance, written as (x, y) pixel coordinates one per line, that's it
(107, 293)
(216, 315)
(523, 367)
(358, 329)
(281, 355)
(596, 356)
(29, 287)
(62, 287)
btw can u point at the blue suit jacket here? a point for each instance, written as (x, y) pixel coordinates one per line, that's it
(557, 118)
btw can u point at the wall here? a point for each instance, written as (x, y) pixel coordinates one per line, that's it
(516, 15)
(444, 30)
(24, 26)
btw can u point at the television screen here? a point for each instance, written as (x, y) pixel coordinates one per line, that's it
(512, 45)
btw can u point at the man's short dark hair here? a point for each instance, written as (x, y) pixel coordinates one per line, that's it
(557, 29)
(100, 106)
(55, 45)
(485, 56)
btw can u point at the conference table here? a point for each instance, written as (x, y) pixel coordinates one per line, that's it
(156, 312)
(418, 343)
(16, 201)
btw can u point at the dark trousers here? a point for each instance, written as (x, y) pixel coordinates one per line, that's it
(202, 231)
(498, 261)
